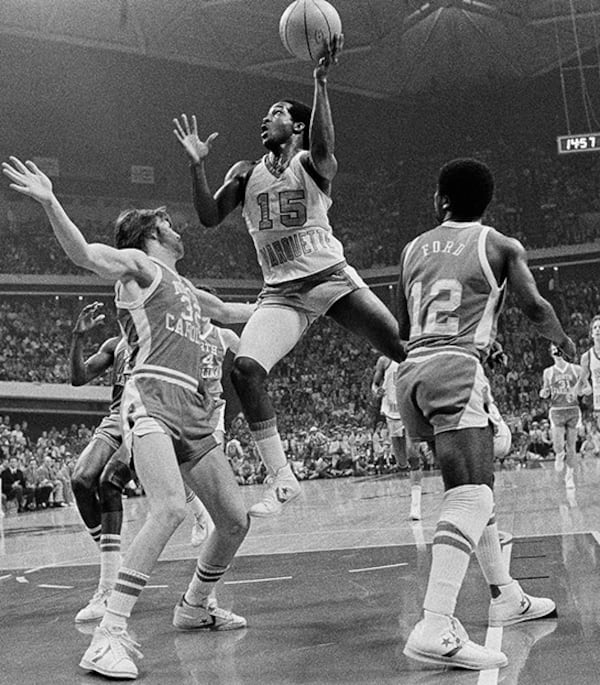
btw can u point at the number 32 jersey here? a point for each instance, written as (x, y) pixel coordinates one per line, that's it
(451, 291)
(286, 215)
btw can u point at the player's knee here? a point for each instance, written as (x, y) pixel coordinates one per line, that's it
(247, 372)
(236, 524)
(112, 483)
(82, 482)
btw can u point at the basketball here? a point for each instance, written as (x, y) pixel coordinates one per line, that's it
(305, 25)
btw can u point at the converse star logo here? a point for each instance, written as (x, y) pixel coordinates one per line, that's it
(525, 604)
(446, 641)
(282, 494)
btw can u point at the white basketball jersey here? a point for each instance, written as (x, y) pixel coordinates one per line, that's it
(389, 404)
(286, 215)
(595, 378)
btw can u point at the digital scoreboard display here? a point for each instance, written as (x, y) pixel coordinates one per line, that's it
(581, 142)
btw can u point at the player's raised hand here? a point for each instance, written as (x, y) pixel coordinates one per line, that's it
(89, 317)
(187, 135)
(28, 179)
(332, 50)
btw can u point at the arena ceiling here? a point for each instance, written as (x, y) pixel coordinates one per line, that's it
(393, 47)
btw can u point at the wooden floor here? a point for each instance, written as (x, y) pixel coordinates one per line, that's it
(331, 589)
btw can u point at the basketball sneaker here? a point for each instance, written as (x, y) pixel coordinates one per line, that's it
(280, 491)
(559, 462)
(110, 654)
(442, 640)
(96, 607)
(206, 616)
(514, 606)
(202, 528)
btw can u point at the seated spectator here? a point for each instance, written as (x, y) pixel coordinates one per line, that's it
(42, 489)
(48, 475)
(14, 486)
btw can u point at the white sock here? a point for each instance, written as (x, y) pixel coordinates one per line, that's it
(464, 514)
(490, 557)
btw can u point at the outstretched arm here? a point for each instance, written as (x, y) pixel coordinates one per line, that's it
(211, 210)
(322, 133)
(536, 308)
(104, 260)
(224, 312)
(85, 370)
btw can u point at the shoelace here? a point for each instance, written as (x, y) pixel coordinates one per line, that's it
(123, 645)
(100, 596)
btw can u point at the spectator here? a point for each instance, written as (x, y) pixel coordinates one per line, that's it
(14, 485)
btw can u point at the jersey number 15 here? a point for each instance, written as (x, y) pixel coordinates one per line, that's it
(292, 210)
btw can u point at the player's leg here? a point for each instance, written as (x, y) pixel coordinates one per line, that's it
(466, 508)
(557, 427)
(363, 313)
(156, 465)
(570, 451)
(115, 475)
(212, 477)
(85, 480)
(203, 524)
(268, 336)
(416, 478)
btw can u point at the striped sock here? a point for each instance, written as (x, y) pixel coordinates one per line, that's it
(95, 533)
(122, 599)
(464, 513)
(203, 582)
(268, 444)
(110, 559)
(490, 558)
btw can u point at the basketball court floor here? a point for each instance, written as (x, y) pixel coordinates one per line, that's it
(330, 589)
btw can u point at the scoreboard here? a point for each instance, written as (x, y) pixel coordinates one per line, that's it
(581, 142)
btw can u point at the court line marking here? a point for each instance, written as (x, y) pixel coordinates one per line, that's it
(493, 636)
(85, 561)
(5, 577)
(376, 568)
(154, 587)
(57, 587)
(256, 580)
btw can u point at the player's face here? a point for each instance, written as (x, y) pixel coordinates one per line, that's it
(169, 237)
(596, 330)
(555, 352)
(277, 126)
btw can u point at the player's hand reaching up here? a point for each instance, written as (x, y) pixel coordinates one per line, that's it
(89, 317)
(187, 135)
(28, 180)
(332, 50)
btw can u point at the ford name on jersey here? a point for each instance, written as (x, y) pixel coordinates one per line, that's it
(449, 247)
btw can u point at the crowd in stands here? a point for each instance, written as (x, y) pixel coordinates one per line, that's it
(327, 416)
(541, 198)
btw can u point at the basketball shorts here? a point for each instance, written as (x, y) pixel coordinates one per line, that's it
(312, 297)
(189, 418)
(442, 391)
(109, 430)
(395, 427)
(564, 417)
